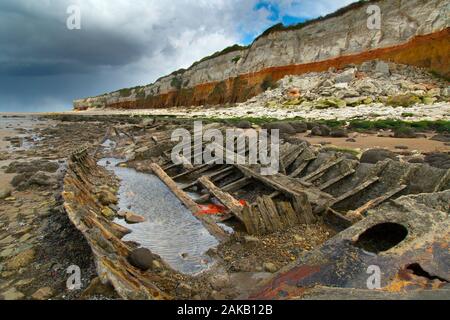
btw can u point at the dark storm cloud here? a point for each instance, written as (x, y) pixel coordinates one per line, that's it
(121, 43)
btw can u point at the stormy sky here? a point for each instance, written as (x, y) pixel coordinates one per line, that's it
(122, 43)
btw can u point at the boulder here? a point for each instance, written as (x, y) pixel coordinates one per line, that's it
(339, 133)
(299, 127)
(404, 132)
(244, 124)
(321, 130)
(32, 167)
(283, 127)
(382, 67)
(142, 258)
(346, 76)
(376, 155)
(438, 160)
(220, 281)
(5, 193)
(445, 137)
(40, 179)
(25, 180)
(367, 66)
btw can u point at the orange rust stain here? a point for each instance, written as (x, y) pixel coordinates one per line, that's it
(430, 51)
(285, 285)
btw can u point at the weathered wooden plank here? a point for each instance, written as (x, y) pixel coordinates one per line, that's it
(314, 175)
(354, 191)
(236, 185)
(287, 185)
(252, 225)
(256, 215)
(302, 167)
(331, 182)
(285, 208)
(303, 209)
(359, 213)
(293, 155)
(196, 169)
(306, 156)
(272, 210)
(216, 174)
(265, 215)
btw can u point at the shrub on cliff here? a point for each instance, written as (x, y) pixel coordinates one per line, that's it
(268, 83)
(176, 83)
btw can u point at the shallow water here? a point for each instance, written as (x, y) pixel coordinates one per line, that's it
(170, 230)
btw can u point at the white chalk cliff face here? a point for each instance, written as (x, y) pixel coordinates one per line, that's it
(412, 32)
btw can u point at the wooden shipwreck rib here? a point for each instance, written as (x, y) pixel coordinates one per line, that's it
(83, 177)
(299, 193)
(313, 187)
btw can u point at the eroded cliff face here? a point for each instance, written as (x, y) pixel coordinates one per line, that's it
(413, 32)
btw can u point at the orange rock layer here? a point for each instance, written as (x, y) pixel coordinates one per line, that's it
(428, 51)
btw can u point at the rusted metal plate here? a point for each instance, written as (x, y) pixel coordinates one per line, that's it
(420, 261)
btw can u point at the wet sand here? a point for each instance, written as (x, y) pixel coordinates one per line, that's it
(5, 178)
(365, 141)
(3, 134)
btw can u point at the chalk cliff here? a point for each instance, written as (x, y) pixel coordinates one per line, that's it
(415, 32)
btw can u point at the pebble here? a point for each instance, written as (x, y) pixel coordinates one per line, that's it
(21, 260)
(42, 294)
(12, 294)
(220, 281)
(5, 193)
(133, 218)
(270, 267)
(251, 239)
